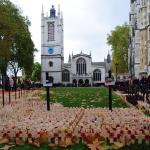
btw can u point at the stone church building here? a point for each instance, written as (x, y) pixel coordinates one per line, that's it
(79, 71)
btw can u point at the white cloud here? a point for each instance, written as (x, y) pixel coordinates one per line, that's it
(86, 23)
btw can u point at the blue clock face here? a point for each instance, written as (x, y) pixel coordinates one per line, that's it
(50, 50)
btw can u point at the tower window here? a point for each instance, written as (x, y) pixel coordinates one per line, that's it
(51, 64)
(51, 31)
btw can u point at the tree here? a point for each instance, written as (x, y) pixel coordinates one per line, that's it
(36, 73)
(118, 40)
(16, 46)
(22, 55)
(7, 30)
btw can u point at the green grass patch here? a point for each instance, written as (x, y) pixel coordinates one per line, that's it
(45, 147)
(136, 147)
(77, 147)
(147, 115)
(83, 97)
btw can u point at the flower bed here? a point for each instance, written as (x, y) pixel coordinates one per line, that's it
(29, 121)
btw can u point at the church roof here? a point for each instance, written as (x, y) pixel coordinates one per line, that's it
(66, 64)
(99, 63)
(81, 54)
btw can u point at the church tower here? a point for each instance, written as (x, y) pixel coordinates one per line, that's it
(52, 49)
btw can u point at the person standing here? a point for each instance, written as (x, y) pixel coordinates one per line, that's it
(11, 82)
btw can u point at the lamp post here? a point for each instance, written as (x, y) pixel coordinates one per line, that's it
(116, 64)
(48, 98)
(110, 90)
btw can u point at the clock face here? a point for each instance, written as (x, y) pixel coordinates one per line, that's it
(50, 50)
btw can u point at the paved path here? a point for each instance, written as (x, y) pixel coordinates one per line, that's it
(123, 97)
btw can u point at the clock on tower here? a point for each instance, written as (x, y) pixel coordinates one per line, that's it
(50, 50)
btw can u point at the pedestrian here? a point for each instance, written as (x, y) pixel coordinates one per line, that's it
(11, 82)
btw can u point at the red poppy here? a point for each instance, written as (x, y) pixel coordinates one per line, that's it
(29, 135)
(132, 136)
(17, 135)
(112, 135)
(121, 132)
(56, 135)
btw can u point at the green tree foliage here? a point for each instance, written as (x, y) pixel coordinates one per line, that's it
(6, 23)
(16, 46)
(118, 40)
(36, 72)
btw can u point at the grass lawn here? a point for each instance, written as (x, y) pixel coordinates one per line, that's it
(83, 97)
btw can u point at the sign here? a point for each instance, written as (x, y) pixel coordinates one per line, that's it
(48, 85)
(109, 81)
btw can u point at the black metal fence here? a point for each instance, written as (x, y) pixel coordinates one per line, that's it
(15, 90)
(135, 89)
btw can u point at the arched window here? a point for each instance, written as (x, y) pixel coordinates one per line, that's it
(97, 75)
(50, 63)
(65, 76)
(81, 66)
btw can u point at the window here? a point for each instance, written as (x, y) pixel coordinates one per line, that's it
(133, 32)
(81, 66)
(51, 64)
(65, 76)
(97, 75)
(51, 31)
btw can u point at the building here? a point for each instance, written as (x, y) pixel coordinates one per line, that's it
(139, 43)
(80, 70)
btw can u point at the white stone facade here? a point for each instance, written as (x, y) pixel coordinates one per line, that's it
(139, 45)
(80, 70)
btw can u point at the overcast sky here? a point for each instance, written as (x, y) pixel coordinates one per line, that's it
(86, 23)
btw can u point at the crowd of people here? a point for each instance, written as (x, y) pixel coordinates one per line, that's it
(136, 87)
(11, 83)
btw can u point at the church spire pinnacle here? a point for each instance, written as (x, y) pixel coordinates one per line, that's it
(58, 10)
(42, 13)
(69, 59)
(61, 15)
(108, 58)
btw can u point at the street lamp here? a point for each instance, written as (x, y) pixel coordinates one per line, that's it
(116, 64)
